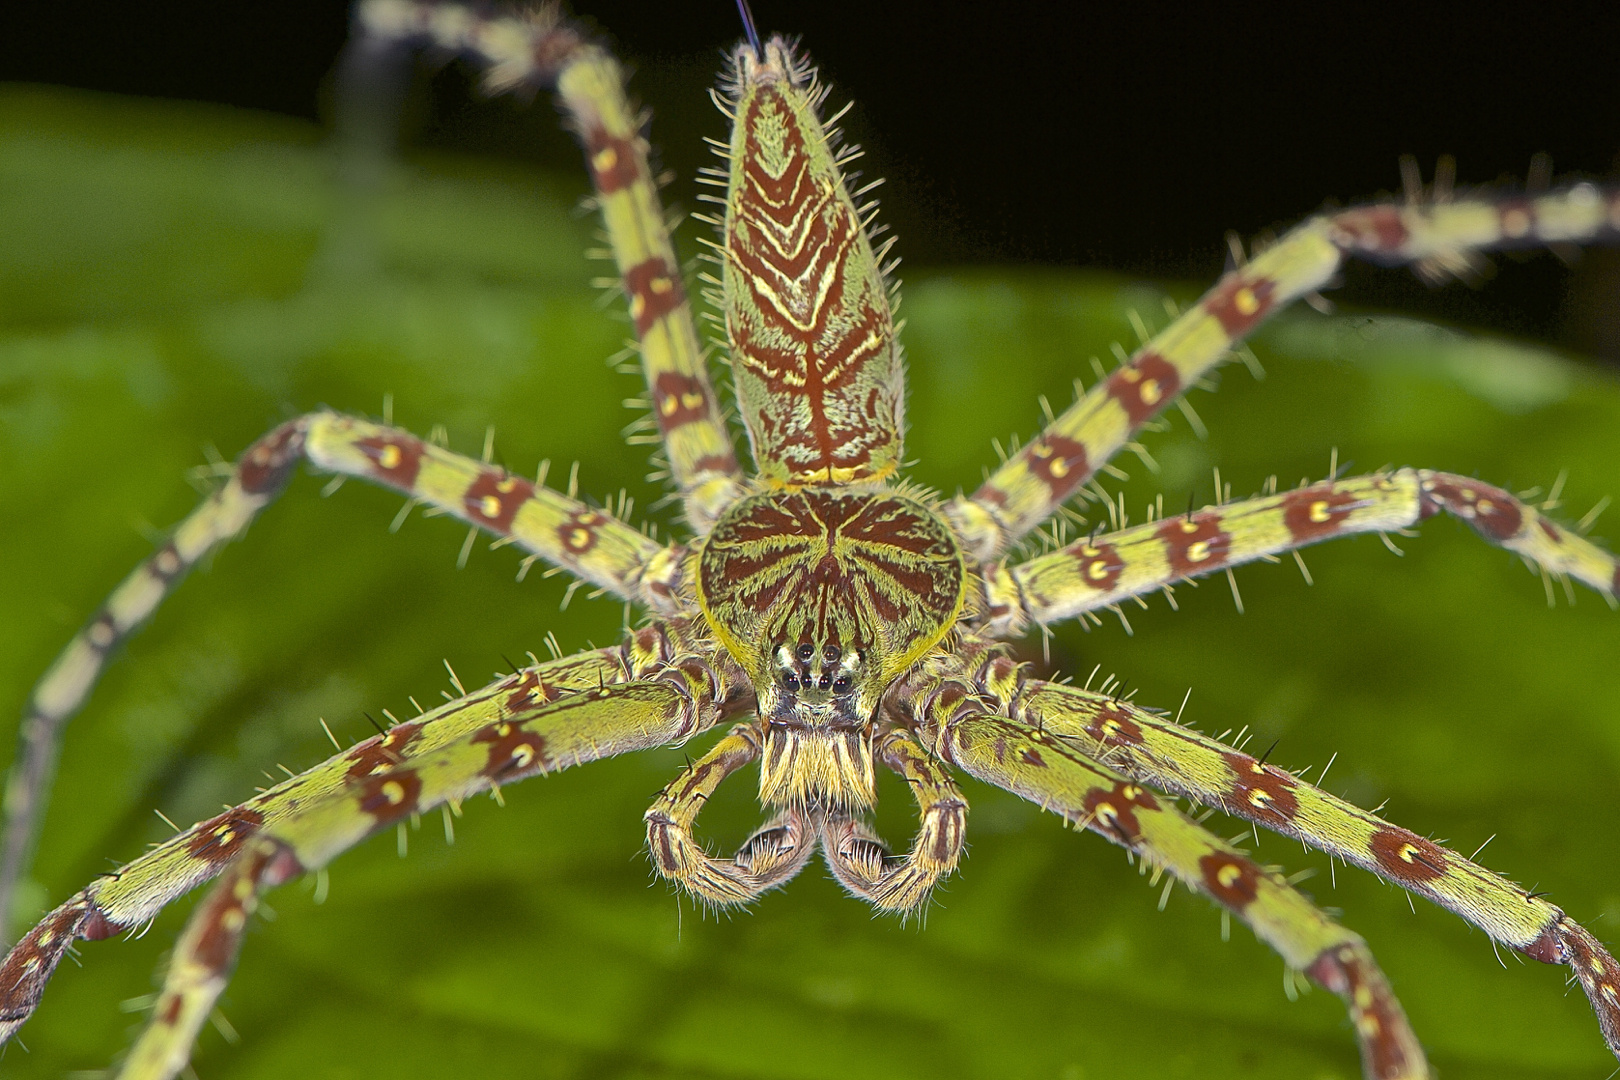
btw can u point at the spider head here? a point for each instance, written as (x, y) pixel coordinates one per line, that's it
(825, 599)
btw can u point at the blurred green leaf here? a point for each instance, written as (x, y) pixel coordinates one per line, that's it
(174, 277)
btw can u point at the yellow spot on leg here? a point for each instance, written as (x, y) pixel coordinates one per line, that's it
(490, 506)
(1245, 301)
(390, 457)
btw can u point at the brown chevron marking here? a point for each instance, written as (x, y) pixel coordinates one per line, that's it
(1377, 1016)
(1370, 230)
(494, 498)
(218, 839)
(268, 463)
(1144, 386)
(1195, 544)
(1492, 512)
(877, 567)
(1060, 463)
(809, 336)
(1260, 791)
(1230, 879)
(1100, 565)
(381, 752)
(1032, 756)
(1112, 726)
(612, 161)
(654, 289)
(679, 399)
(391, 796)
(1241, 303)
(395, 459)
(1113, 813)
(578, 533)
(1315, 512)
(513, 750)
(1406, 856)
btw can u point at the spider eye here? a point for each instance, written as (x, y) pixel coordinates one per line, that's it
(830, 655)
(841, 684)
(825, 682)
(790, 681)
(806, 651)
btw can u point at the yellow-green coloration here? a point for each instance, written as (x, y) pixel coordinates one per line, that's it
(825, 600)
(837, 625)
(807, 308)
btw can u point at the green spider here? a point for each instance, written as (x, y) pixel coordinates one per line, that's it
(919, 639)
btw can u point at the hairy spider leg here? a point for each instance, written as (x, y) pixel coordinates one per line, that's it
(780, 849)
(642, 695)
(526, 51)
(564, 531)
(1150, 749)
(1045, 769)
(768, 859)
(1437, 237)
(863, 865)
(1102, 570)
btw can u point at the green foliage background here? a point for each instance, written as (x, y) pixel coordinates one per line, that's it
(173, 277)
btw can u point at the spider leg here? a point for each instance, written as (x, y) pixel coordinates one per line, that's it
(556, 527)
(1151, 749)
(857, 857)
(1050, 771)
(768, 859)
(1436, 237)
(513, 729)
(523, 51)
(1104, 569)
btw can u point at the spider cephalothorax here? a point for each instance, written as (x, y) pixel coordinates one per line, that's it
(840, 621)
(824, 598)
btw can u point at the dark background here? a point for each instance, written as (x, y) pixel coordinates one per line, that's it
(1124, 136)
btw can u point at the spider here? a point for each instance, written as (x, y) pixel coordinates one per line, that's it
(903, 675)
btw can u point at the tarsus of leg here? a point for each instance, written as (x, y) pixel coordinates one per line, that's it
(528, 50)
(767, 860)
(1437, 237)
(511, 730)
(1152, 749)
(857, 857)
(564, 531)
(1047, 770)
(1106, 568)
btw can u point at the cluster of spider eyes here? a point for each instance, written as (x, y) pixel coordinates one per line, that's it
(804, 678)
